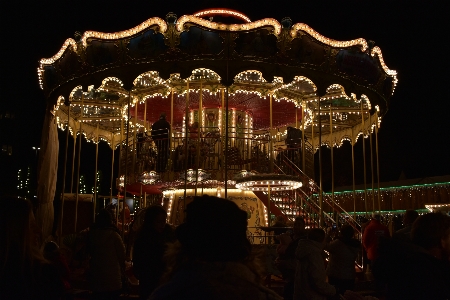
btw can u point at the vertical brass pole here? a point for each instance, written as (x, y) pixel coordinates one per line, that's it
(145, 199)
(145, 112)
(140, 198)
(200, 126)
(364, 158)
(95, 177)
(226, 143)
(112, 168)
(73, 154)
(125, 179)
(171, 121)
(135, 139)
(79, 158)
(378, 162)
(353, 172)
(120, 166)
(313, 152)
(371, 163)
(320, 171)
(186, 125)
(303, 138)
(64, 177)
(222, 136)
(78, 180)
(296, 117)
(270, 136)
(268, 210)
(332, 156)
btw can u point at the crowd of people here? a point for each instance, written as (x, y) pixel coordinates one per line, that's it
(210, 257)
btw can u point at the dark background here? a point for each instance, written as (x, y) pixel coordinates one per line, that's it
(414, 136)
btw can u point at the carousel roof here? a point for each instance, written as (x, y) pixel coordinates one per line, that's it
(100, 73)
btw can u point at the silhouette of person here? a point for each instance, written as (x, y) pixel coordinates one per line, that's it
(404, 234)
(212, 258)
(419, 269)
(24, 272)
(310, 275)
(160, 135)
(149, 248)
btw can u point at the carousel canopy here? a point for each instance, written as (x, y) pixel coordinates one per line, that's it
(100, 80)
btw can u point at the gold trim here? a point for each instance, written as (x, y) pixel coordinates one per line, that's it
(67, 43)
(303, 27)
(230, 27)
(125, 33)
(221, 12)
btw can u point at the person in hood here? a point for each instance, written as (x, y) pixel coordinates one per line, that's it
(213, 257)
(404, 234)
(341, 266)
(310, 275)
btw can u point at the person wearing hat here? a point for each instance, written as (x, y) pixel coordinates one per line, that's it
(160, 135)
(213, 257)
(373, 233)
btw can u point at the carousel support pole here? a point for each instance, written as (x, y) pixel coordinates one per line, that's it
(125, 179)
(61, 213)
(268, 210)
(353, 173)
(270, 137)
(135, 158)
(186, 125)
(78, 180)
(120, 167)
(145, 112)
(371, 163)
(320, 171)
(364, 158)
(200, 126)
(79, 157)
(226, 116)
(296, 117)
(222, 138)
(112, 168)
(378, 162)
(171, 122)
(95, 177)
(332, 156)
(226, 141)
(73, 155)
(303, 138)
(312, 144)
(121, 146)
(140, 198)
(145, 199)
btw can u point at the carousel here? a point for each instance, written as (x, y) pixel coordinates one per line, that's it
(215, 103)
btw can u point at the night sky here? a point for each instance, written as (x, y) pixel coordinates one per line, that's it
(414, 135)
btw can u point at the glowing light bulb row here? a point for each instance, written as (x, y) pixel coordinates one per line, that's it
(263, 185)
(223, 12)
(344, 44)
(126, 33)
(111, 79)
(230, 27)
(51, 60)
(203, 73)
(244, 76)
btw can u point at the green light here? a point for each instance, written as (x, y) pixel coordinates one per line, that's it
(391, 188)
